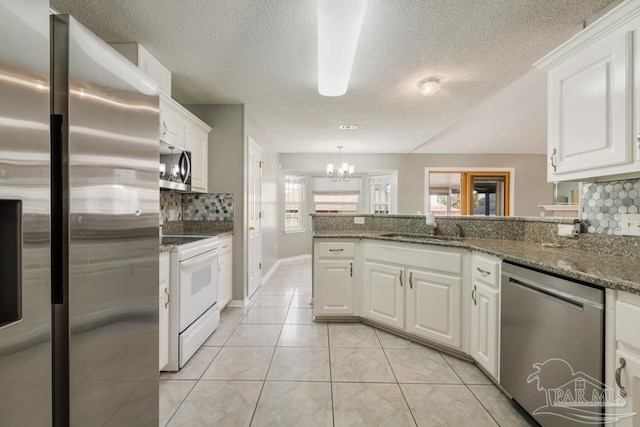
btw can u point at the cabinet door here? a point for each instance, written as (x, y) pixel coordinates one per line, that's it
(225, 279)
(163, 307)
(196, 141)
(434, 307)
(172, 124)
(589, 105)
(383, 293)
(484, 327)
(333, 288)
(630, 380)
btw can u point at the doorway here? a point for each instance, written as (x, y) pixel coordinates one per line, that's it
(254, 217)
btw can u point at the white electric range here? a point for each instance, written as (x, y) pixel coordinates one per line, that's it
(193, 290)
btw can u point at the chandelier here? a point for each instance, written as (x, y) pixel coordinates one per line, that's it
(344, 171)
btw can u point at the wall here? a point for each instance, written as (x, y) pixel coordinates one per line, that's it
(531, 187)
(270, 219)
(226, 172)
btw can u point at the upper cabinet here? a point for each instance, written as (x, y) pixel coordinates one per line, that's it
(592, 95)
(180, 127)
(141, 57)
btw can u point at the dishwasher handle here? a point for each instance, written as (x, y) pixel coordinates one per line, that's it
(548, 292)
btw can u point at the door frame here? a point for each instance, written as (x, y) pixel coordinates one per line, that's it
(252, 222)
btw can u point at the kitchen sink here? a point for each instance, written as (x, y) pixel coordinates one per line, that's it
(421, 236)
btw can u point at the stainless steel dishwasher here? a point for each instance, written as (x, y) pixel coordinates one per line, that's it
(551, 345)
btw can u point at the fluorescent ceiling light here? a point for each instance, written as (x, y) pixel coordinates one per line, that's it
(339, 24)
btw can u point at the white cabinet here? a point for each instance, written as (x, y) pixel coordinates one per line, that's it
(434, 306)
(414, 288)
(383, 294)
(179, 127)
(485, 312)
(172, 122)
(163, 306)
(141, 57)
(627, 357)
(196, 141)
(225, 272)
(333, 278)
(591, 99)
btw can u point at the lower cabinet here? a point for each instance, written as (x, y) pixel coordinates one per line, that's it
(626, 376)
(434, 307)
(225, 272)
(416, 289)
(383, 295)
(163, 306)
(333, 278)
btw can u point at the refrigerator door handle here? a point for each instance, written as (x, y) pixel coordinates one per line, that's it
(58, 211)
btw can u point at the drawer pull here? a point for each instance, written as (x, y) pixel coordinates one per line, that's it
(623, 363)
(483, 272)
(336, 250)
(400, 278)
(411, 280)
(350, 269)
(473, 295)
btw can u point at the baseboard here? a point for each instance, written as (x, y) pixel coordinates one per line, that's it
(278, 263)
(235, 303)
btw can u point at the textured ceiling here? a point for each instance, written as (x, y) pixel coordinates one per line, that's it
(263, 54)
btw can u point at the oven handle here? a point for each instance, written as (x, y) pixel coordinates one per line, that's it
(199, 260)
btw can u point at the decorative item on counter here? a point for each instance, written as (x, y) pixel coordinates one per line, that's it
(431, 219)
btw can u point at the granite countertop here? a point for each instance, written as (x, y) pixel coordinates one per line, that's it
(614, 272)
(219, 234)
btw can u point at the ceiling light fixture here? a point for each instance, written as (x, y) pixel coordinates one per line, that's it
(429, 86)
(345, 170)
(348, 127)
(339, 24)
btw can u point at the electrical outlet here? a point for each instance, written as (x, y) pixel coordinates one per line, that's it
(565, 230)
(358, 220)
(630, 224)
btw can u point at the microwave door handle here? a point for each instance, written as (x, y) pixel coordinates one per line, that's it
(185, 167)
(199, 261)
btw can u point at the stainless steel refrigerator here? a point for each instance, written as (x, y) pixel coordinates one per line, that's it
(78, 227)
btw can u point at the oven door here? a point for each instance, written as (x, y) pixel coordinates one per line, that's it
(198, 287)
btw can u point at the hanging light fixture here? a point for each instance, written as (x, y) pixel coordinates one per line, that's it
(344, 171)
(339, 25)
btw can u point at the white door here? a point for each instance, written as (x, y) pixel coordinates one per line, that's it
(334, 288)
(484, 327)
(254, 212)
(383, 294)
(434, 307)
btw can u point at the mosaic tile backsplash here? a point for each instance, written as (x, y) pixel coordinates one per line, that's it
(603, 203)
(195, 206)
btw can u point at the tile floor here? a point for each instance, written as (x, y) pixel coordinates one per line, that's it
(269, 365)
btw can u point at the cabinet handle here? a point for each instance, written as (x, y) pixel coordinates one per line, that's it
(483, 272)
(350, 269)
(623, 363)
(400, 278)
(164, 129)
(225, 246)
(473, 295)
(411, 280)
(553, 164)
(336, 250)
(166, 298)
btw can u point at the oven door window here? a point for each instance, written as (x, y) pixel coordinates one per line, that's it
(198, 287)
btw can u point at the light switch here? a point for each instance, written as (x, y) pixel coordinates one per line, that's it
(630, 224)
(358, 220)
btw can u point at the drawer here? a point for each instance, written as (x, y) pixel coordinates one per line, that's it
(485, 269)
(336, 249)
(225, 246)
(627, 319)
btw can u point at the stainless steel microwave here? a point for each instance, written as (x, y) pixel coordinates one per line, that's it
(175, 167)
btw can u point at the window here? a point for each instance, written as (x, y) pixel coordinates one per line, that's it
(293, 203)
(380, 194)
(336, 196)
